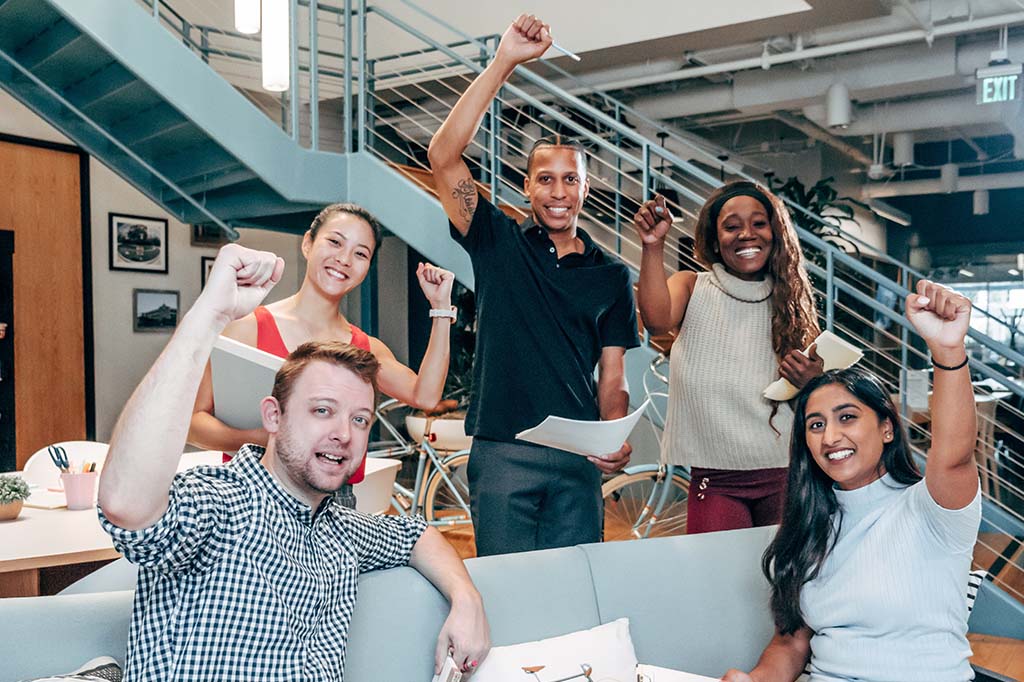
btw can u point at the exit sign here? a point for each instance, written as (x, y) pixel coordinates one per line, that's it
(999, 83)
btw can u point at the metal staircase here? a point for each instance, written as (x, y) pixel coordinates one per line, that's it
(142, 93)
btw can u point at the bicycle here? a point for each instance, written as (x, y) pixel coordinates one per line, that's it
(647, 500)
(441, 488)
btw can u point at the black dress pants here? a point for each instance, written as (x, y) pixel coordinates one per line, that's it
(525, 497)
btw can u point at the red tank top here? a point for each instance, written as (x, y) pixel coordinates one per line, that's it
(268, 339)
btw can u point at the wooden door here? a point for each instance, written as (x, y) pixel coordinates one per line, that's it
(7, 442)
(41, 203)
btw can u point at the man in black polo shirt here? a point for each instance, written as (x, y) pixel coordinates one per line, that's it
(551, 307)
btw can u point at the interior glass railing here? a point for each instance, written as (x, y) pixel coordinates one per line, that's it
(406, 68)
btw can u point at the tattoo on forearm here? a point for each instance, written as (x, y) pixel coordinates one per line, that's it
(465, 194)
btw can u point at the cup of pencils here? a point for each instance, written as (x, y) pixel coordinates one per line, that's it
(80, 486)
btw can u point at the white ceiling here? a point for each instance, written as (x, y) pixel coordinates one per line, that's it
(584, 25)
(580, 25)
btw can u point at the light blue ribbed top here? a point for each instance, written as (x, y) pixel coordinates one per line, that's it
(890, 602)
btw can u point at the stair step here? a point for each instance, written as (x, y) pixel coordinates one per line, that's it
(425, 180)
(148, 124)
(1003, 557)
(47, 45)
(237, 202)
(96, 87)
(216, 181)
(195, 162)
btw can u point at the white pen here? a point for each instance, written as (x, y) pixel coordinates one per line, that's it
(567, 53)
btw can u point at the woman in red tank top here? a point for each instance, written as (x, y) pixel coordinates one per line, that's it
(339, 247)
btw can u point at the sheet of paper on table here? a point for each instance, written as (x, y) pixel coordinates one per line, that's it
(834, 352)
(46, 499)
(588, 438)
(242, 377)
(652, 673)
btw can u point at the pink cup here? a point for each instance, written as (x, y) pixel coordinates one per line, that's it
(80, 489)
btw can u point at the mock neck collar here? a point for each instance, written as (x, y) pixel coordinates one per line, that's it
(741, 289)
(852, 501)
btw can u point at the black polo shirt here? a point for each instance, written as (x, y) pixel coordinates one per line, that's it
(541, 323)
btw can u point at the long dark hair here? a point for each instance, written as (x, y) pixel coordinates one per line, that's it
(808, 532)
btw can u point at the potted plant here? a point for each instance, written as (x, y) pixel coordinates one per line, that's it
(448, 420)
(13, 493)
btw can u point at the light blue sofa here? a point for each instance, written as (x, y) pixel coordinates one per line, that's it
(696, 603)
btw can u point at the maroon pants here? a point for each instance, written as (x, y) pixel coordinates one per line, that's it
(726, 499)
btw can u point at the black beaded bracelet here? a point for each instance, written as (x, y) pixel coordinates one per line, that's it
(947, 367)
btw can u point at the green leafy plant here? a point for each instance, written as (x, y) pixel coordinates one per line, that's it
(12, 489)
(823, 201)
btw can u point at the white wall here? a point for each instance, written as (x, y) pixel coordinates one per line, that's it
(121, 356)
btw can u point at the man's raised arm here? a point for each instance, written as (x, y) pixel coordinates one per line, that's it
(150, 433)
(527, 38)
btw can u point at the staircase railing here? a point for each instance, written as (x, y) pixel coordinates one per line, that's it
(393, 100)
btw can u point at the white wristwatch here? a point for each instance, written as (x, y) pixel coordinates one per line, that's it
(444, 312)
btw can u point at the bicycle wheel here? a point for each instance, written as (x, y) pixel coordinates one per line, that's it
(442, 507)
(627, 515)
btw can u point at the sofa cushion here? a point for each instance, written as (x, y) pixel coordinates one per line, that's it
(696, 602)
(606, 649)
(85, 625)
(536, 595)
(527, 596)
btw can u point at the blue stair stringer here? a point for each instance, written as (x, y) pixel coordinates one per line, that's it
(128, 92)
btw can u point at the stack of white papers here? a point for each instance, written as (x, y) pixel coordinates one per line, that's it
(834, 352)
(591, 439)
(652, 673)
(242, 377)
(46, 499)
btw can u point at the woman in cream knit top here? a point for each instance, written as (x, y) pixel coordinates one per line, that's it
(738, 327)
(722, 351)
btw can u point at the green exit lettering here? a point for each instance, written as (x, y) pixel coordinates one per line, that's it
(998, 89)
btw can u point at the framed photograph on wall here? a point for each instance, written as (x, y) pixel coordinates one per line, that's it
(208, 236)
(138, 243)
(206, 264)
(154, 310)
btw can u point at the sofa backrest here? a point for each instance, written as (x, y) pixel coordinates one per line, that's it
(527, 596)
(697, 603)
(53, 635)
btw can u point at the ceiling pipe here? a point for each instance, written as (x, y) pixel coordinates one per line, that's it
(838, 107)
(903, 149)
(816, 132)
(965, 183)
(919, 114)
(860, 45)
(941, 10)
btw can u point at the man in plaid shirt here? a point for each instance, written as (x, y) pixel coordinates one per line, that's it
(249, 571)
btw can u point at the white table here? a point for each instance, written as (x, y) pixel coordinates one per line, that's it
(41, 539)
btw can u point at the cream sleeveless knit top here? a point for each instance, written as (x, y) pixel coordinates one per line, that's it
(721, 361)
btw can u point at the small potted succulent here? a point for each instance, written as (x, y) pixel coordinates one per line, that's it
(13, 493)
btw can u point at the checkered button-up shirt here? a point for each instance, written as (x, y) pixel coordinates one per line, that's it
(240, 581)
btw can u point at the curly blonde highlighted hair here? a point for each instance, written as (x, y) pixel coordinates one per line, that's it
(794, 318)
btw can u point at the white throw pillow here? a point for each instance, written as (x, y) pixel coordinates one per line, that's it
(607, 649)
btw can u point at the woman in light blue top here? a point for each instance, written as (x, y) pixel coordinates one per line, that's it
(869, 567)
